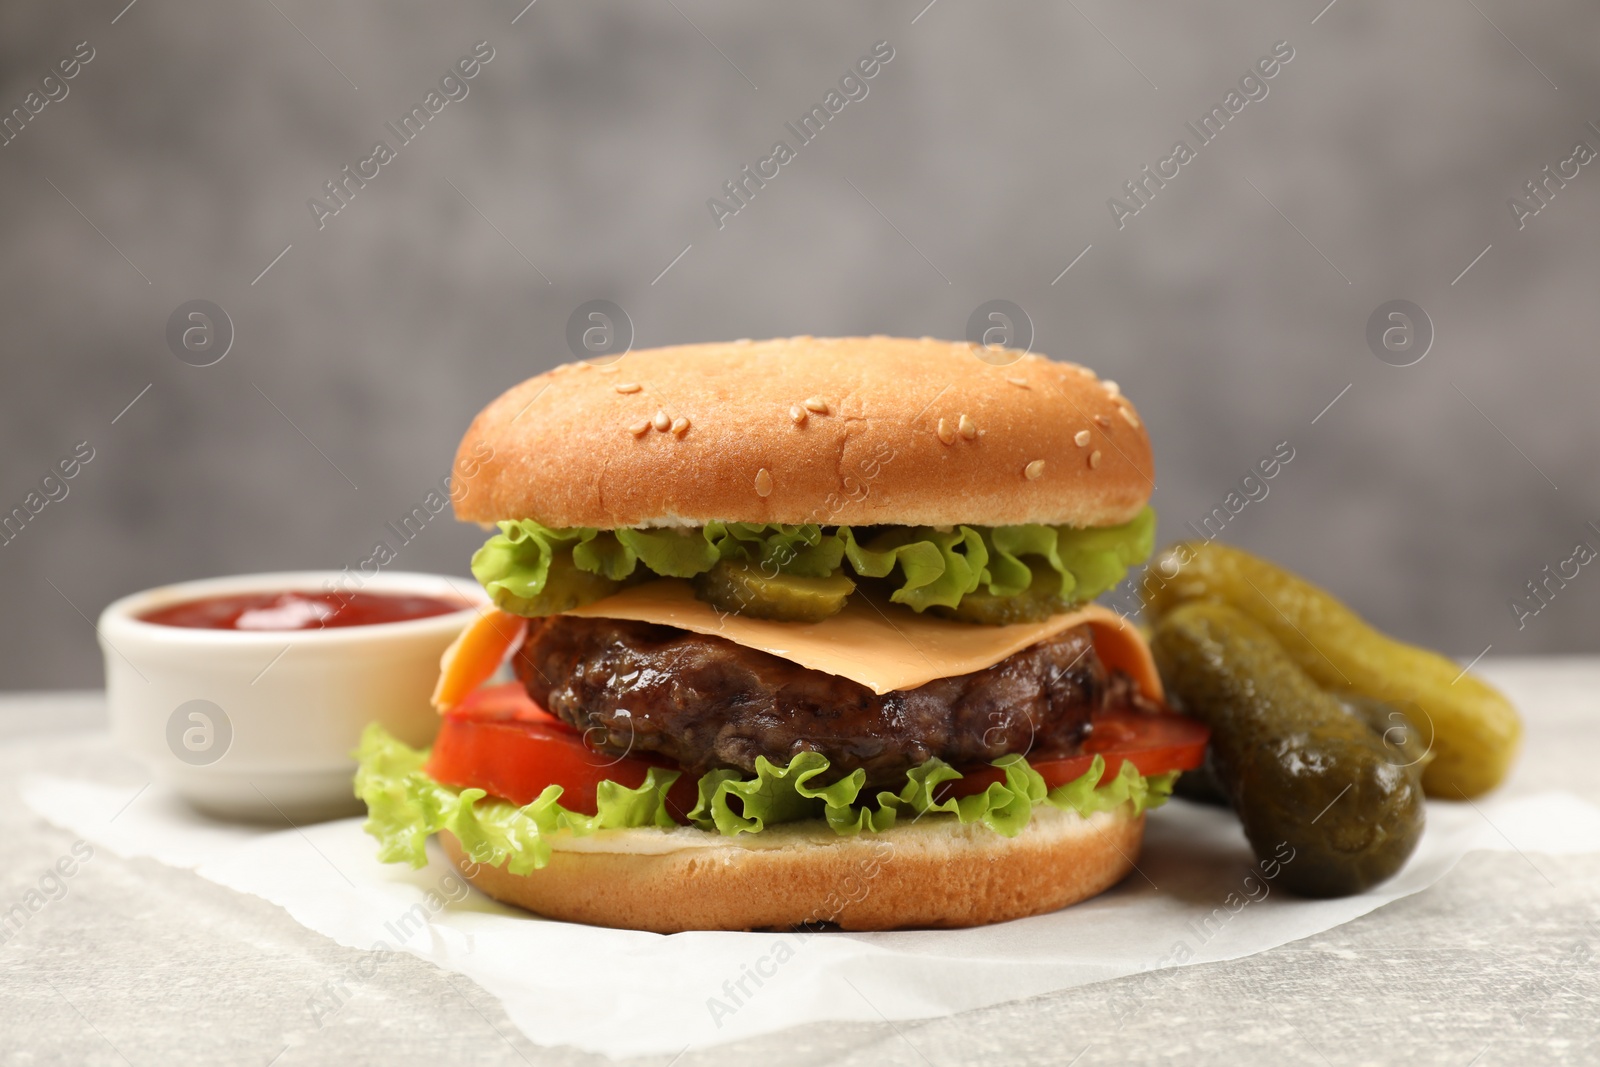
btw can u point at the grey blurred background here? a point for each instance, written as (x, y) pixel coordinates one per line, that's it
(1233, 308)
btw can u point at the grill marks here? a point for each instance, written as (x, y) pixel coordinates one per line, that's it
(705, 702)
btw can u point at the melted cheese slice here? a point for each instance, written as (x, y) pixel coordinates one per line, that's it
(884, 647)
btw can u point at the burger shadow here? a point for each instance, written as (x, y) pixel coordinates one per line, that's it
(446, 892)
(1193, 852)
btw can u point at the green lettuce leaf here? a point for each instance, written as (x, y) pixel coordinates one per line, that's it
(529, 569)
(775, 795)
(1088, 561)
(804, 551)
(937, 567)
(405, 805)
(1097, 559)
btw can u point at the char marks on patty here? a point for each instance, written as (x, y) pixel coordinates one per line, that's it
(705, 702)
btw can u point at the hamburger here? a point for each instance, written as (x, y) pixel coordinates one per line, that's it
(802, 633)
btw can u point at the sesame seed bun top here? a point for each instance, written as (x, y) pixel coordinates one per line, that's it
(847, 430)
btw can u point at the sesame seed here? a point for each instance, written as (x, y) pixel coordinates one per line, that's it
(1023, 382)
(1034, 470)
(680, 426)
(1094, 459)
(1102, 420)
(798, 414)
(1132, 419)
(661, 422)
(639, 427)
(817, 404)
(1081, 438)
(946, 433)
(742, 341)
(628, 387)
(1112, 387)
(763, 482)
(968, 428)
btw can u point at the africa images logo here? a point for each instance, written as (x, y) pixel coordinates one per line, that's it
(452, 87)
(1252, 87)
(53, 89)
(852, 87)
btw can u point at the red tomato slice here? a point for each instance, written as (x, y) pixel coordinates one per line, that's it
(499, 740)
(508, 746)
(504, 702)
(1153, 743)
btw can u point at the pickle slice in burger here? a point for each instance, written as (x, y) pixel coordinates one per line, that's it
(747, 589)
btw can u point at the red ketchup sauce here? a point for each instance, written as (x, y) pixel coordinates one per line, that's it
(295, 610)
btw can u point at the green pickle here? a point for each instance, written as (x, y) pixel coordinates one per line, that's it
(746, 589)
(1301, 768)
(1036, 603)
(1472, 730)
(1406, 742)
(565, 588)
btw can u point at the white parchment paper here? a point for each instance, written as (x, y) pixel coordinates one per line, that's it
(1198, 897)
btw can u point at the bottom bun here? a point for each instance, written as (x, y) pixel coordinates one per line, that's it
(936, 873)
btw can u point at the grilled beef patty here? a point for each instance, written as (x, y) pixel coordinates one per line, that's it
(705, 702)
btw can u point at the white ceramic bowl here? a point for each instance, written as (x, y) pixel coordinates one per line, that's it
(260, 725)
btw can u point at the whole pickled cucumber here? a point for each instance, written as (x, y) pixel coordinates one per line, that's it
(1406, 746)
(1475, 732)
(744, 589)
(1407, 743)
(1299, 767)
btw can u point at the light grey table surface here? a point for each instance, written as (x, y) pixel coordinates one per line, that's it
(145, 964)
